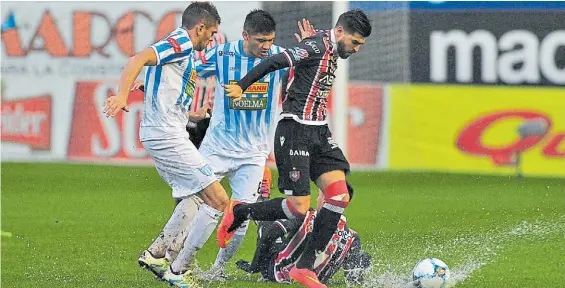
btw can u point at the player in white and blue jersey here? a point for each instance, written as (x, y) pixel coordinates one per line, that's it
(238, 140)
(240, 135)
(169, 88)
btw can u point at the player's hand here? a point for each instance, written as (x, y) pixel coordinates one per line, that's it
(200, 113)
(306, 30)
(113, 104)
(233, 91)
(138, 85)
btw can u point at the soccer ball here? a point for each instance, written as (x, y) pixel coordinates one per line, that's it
(430, 273)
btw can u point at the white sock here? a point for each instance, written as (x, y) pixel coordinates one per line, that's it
(225, 254)
(175, 230)
(201, 228)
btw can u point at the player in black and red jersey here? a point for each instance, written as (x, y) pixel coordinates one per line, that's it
(304, 148)
(280, 244)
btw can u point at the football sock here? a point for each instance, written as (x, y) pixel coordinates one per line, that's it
(278, 208)
(201, 228)
(174, 232)
(226, 254)
(325, 225)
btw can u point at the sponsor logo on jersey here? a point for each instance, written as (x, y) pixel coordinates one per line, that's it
(229, 53)
(312, 44)
(249, 103)
(193, 75)
(255, 88)
(191, 84)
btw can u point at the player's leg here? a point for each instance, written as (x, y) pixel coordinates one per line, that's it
(264, 195)
(220, 168)
(179, 272)
(215, 199)
(202, 226)
(243, 182)
(291, 152)
(329, 166)
(171, 238)
(187, 174)
(166, 158)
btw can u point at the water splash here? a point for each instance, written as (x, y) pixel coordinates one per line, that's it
(479, 251)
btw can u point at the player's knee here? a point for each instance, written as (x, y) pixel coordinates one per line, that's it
(336, 196)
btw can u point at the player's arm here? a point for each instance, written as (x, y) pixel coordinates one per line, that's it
(206, 65)
(113, 104)
(175, 48)
(288, 58)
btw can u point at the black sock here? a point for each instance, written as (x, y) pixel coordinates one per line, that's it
(325, 225)
(262, 211)
(271, 210)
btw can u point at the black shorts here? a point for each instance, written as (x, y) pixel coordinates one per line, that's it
(303, 153)
(198, 132)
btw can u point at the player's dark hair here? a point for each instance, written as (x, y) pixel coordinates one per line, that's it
(200, 12)
(355, 21)
(259, 22)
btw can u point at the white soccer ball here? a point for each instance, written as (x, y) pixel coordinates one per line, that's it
(430, 273)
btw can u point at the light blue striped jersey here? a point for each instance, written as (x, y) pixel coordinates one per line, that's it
(169, 88)
(243, 128)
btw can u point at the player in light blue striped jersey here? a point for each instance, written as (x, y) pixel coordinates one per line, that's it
(241, 133)
(169, 88)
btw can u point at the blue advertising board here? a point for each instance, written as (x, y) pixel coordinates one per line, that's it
(457, 5)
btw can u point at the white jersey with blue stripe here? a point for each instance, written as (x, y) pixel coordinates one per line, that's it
(169, 88)
(242, 128)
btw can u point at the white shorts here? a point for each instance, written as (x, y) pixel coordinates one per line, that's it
(244, 174)
(180, 164)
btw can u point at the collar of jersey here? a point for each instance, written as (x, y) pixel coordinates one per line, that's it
(240, 48)
(332, 36)
(332, 39)
(183, 30)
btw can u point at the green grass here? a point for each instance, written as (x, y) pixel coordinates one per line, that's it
(84, 226)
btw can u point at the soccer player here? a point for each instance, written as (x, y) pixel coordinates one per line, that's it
(281, 242)
(239, 138)
(304, 148)
(170, 81)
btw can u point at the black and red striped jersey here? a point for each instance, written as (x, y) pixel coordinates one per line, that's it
(313, 63)
(327, 263)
